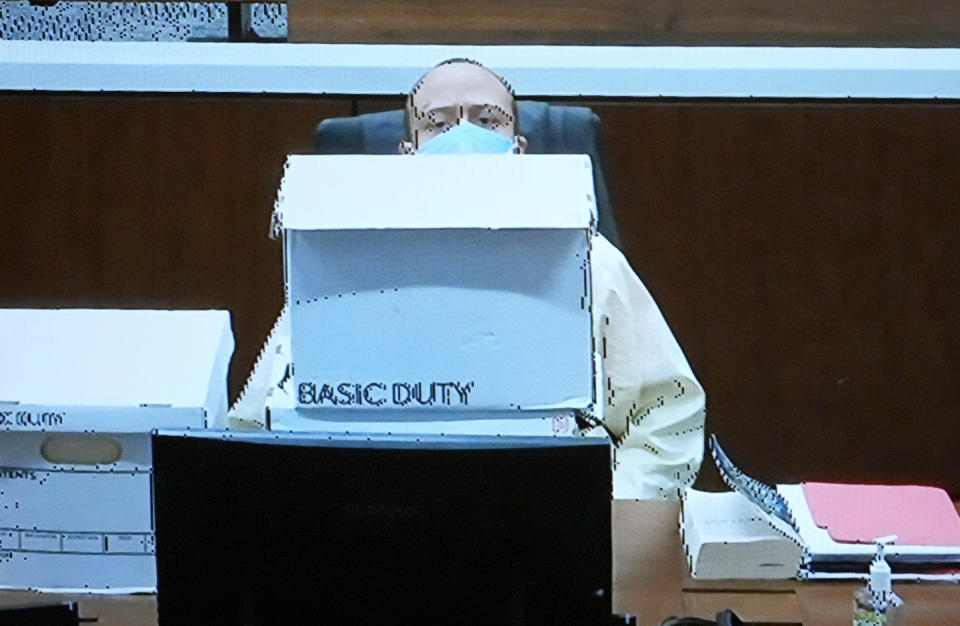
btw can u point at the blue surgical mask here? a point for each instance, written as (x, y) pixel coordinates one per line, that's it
(467, 138)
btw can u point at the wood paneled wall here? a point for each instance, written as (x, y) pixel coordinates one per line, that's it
(804, 254)
(149, 202)
(629, 22)
(806, 257)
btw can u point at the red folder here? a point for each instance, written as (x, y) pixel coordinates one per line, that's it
(919, 516)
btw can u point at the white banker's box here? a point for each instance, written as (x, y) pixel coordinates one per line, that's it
(440, 289)
(80, 391)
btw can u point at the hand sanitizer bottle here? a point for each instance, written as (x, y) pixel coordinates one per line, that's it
(876, 604)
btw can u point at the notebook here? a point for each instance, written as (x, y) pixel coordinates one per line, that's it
(861, 513)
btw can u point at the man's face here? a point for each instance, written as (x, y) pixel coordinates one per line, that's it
(459, 91)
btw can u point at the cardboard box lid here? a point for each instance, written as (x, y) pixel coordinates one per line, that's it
(111, 358)
(346, 192)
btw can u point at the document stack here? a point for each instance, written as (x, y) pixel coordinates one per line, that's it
(817, 530)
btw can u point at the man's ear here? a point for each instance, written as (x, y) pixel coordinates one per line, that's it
(405, 147)
(521, 143)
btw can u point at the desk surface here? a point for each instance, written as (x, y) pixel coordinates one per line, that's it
(650, 580)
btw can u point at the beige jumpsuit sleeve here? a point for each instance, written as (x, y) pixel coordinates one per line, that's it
(649, 401)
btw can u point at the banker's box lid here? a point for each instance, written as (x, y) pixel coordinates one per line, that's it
(123, 364)
(346, 192)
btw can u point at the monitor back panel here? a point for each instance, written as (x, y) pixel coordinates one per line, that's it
(305, 531)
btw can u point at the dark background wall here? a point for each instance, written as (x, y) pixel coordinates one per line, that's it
(804, 254)
(917, 23)
(149, 201)
(807, 258)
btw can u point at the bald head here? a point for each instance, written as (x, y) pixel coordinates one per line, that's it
(459, 90)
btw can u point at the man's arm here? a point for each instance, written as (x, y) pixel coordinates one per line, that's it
(651, 403)
(249, 409)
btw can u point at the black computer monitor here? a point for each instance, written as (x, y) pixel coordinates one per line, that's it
(292, 529)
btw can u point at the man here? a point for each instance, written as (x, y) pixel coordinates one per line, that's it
(459, 90)
(652, 406)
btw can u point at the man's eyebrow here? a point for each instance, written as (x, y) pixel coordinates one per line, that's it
(488, 105)
(441, 109)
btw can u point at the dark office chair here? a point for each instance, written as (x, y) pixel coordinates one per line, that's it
(550, 129)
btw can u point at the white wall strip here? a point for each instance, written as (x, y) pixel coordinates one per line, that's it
(720, 72)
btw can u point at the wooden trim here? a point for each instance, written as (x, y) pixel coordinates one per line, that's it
(882, 23)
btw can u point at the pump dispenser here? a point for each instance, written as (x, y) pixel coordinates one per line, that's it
(876, 604)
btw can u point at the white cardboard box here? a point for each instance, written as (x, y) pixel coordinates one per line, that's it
(437, 288)
(80, 391)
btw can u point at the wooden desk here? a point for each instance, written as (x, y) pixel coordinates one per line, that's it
(650, 580)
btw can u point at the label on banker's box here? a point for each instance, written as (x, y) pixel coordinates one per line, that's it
(381, 394)
(31, 420)
(111, 419)
(76, 529)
